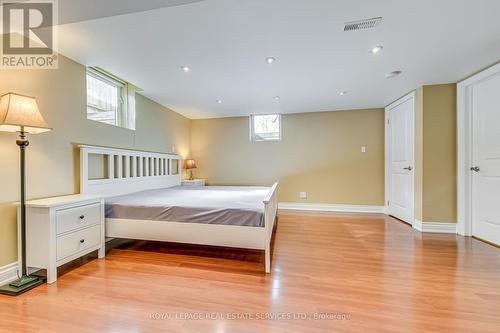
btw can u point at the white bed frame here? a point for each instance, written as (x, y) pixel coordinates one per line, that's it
(131, 171)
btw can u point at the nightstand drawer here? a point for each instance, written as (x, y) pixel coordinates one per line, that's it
(77, 217)
(78, 241)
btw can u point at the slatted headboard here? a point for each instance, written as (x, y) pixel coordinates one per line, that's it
(127, 171)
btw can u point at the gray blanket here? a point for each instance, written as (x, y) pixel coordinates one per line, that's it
(228, 205)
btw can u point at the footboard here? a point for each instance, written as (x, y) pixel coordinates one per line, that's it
(270, 212)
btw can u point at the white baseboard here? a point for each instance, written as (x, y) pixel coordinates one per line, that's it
(8, 273)
(331, 207)
(436, 227)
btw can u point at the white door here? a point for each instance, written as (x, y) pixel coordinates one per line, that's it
(485, 167)
(400, 150)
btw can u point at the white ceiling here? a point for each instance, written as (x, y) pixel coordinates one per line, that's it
(225, 43)
(70, 11)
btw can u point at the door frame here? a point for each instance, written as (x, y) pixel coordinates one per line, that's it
(389, 107)
(464, 148)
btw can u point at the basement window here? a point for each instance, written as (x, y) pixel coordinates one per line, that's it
(265, 127)
(110, 100)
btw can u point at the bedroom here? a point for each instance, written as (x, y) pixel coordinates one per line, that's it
(253, 93)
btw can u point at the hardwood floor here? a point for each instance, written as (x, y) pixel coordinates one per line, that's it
(362, 273)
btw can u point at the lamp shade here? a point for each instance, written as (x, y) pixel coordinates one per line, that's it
(20, 113)
(189, 164)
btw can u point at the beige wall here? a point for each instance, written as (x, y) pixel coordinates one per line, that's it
(439, 153)
(419, 152)
(320, 154)
(435, 154)
(52, 159)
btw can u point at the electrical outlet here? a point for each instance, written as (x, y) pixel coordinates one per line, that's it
(363, 149)
(302, 195)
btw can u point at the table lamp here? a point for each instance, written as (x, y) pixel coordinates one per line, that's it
(19, 113)
(190, 165)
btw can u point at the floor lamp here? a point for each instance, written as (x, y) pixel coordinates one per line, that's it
(20, 114)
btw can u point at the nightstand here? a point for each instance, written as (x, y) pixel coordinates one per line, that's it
(193, 182)
(61, 229)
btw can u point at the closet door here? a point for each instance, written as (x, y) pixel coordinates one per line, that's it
(400, 150)
(485, 166)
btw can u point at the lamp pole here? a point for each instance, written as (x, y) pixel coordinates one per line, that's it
(22, 142)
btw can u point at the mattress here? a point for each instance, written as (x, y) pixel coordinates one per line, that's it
(226, 205)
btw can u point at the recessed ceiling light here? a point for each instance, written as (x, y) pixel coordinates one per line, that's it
(376, 49)
(186, 69)
(219, 101)
(343, 93)
(270, 60)
(393, 74)
(276, 98)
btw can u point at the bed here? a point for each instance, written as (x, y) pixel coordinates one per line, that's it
(145, 201)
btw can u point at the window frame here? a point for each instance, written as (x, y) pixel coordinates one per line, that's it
(122, 113)
(253, 137)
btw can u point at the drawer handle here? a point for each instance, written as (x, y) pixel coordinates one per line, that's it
(82, 217)
(82, 241)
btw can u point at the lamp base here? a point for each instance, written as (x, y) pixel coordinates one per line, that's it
(22, 285)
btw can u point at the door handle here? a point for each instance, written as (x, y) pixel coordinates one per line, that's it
(408, 168)
(475, 169)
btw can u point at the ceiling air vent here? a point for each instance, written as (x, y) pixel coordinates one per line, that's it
(362, 24)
